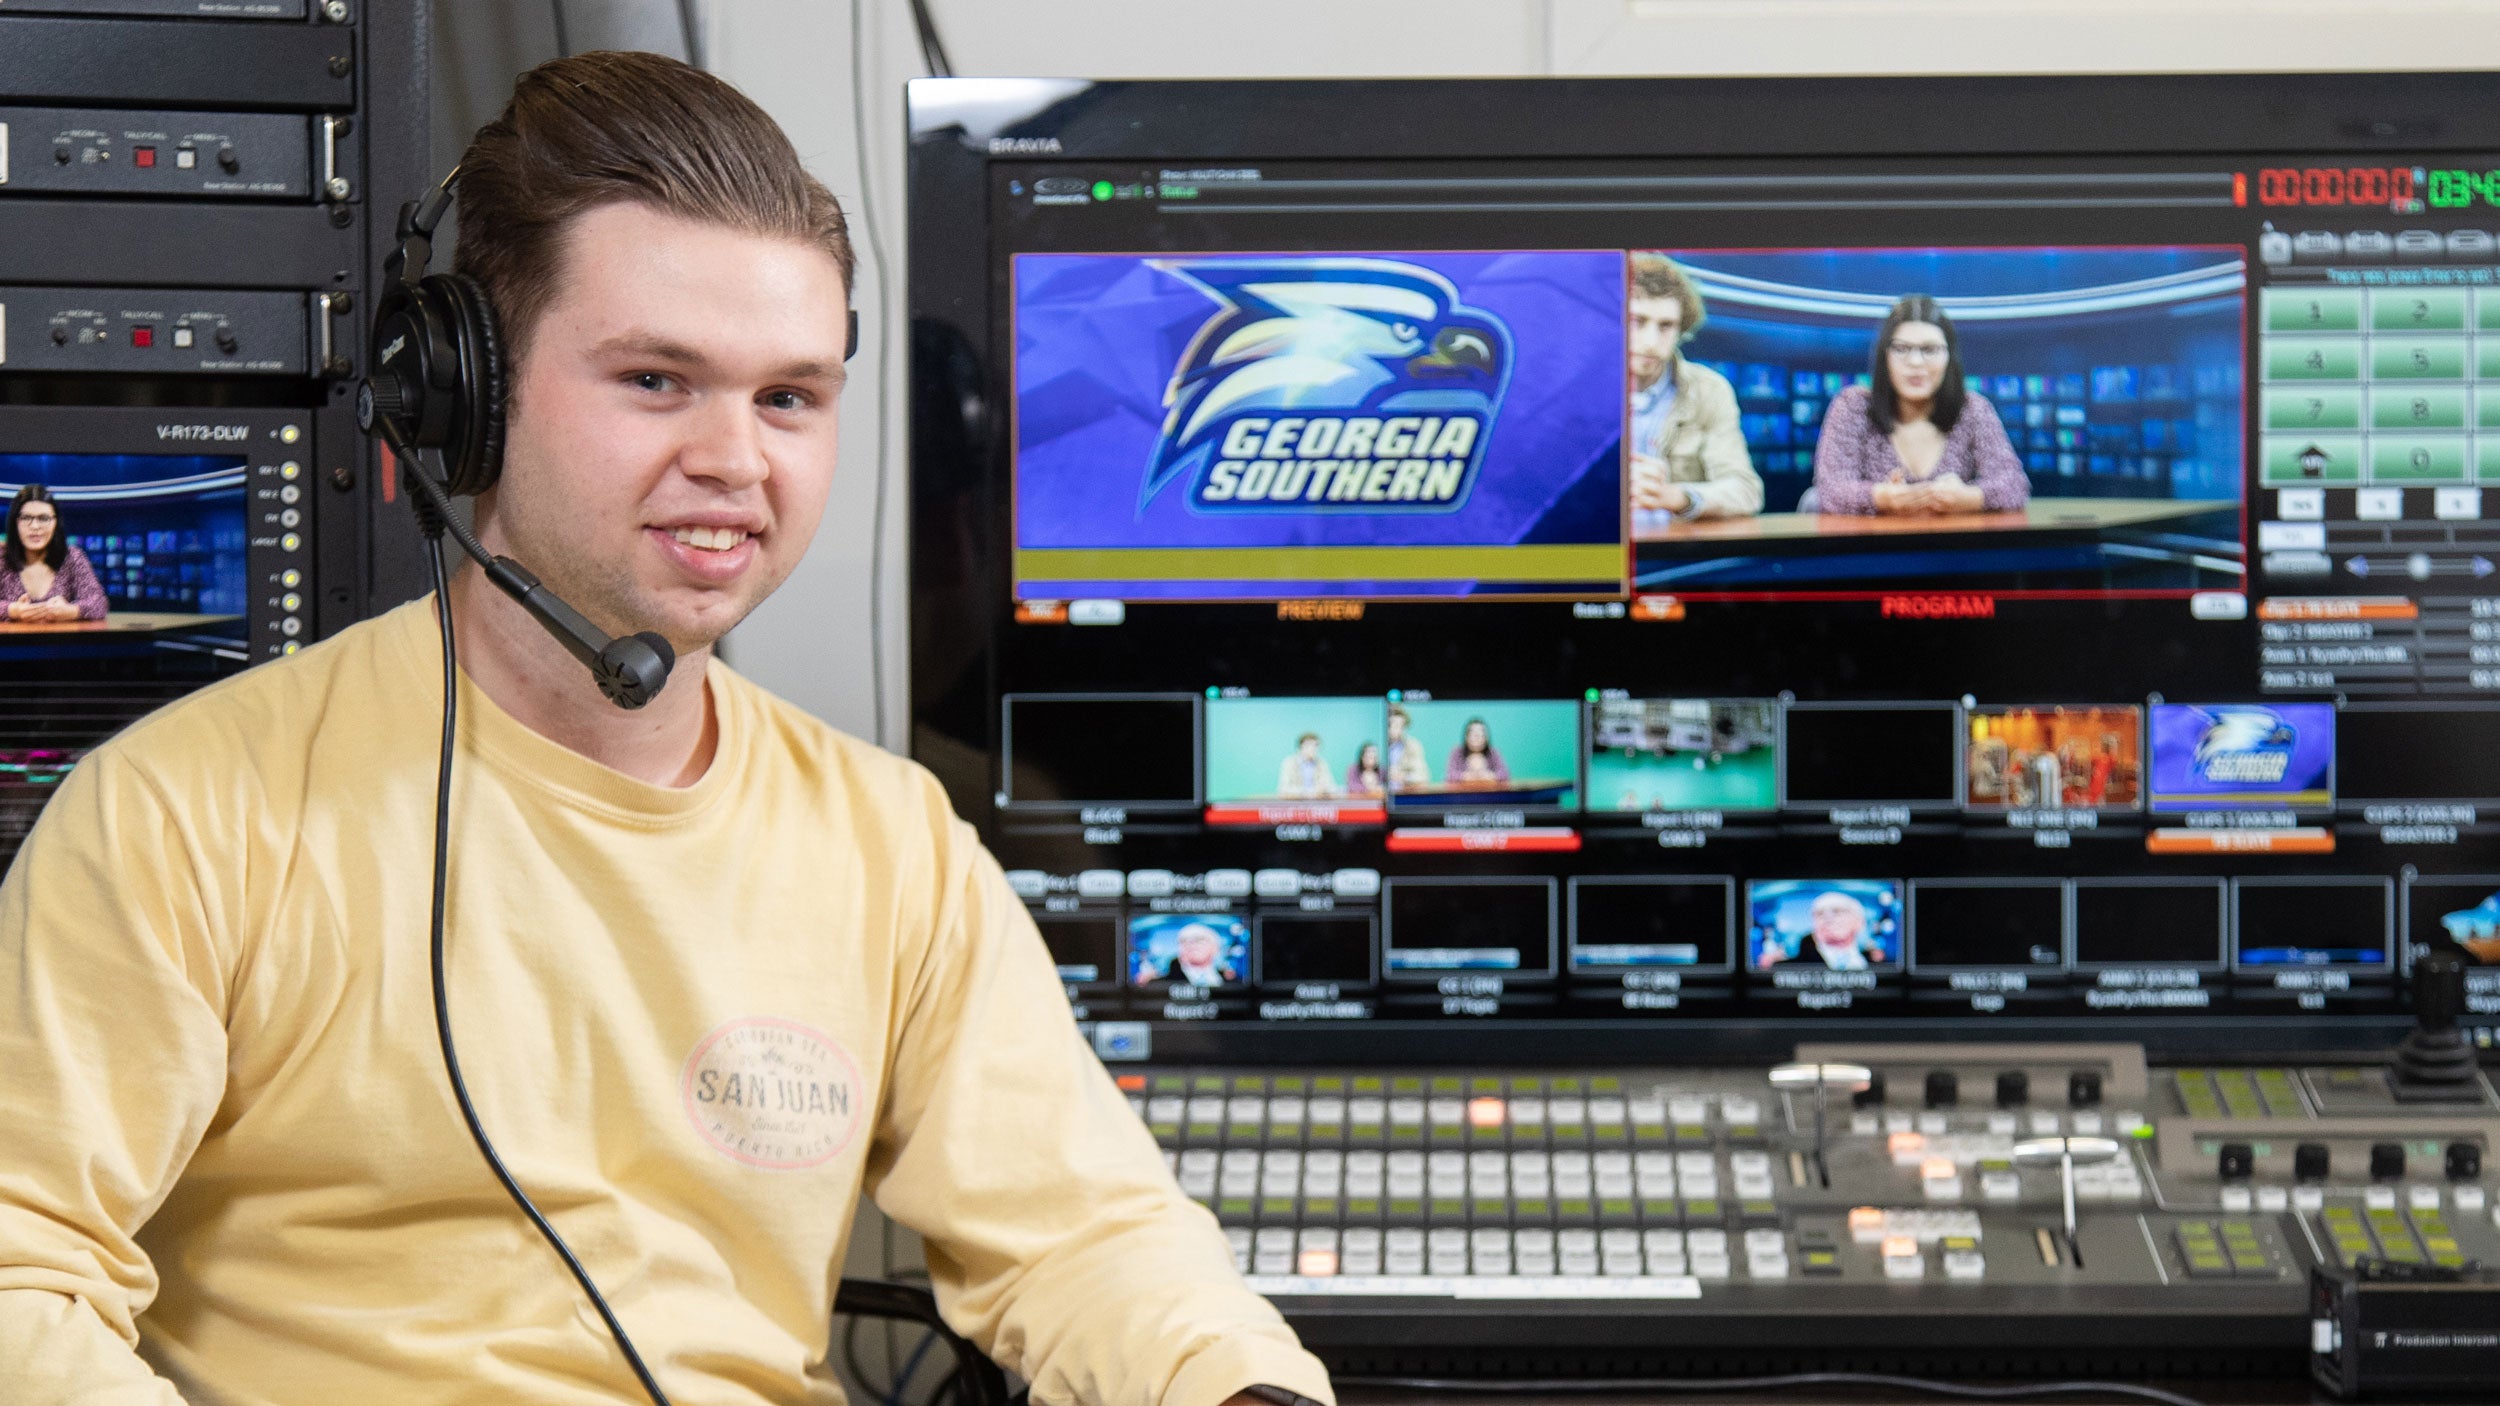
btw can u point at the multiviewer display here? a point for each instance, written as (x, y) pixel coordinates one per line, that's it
(1755, 592)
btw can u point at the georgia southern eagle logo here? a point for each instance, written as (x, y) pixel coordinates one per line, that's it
(2243, 745)
(1329, 385)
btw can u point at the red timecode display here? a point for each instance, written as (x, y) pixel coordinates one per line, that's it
(2338, 185)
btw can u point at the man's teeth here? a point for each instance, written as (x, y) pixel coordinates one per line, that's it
(711, 539)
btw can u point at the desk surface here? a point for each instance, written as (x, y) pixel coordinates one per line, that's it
(2042, 515)
(119, 622)
(2210, 1393)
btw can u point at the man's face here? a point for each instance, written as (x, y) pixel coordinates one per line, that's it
(1197, 947)
(1657, 324)
(1838, 921)
(673, 422)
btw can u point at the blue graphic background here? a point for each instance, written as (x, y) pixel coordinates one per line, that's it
(2177, 786)
(1098, 336)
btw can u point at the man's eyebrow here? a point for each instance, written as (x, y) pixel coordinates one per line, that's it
(659, 348)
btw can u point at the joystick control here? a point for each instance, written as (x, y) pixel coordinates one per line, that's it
(2435, 1062)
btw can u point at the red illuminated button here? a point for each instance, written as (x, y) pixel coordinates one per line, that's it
(143, 156)
(1532, 838)
(1132, 1083)
(143, 336)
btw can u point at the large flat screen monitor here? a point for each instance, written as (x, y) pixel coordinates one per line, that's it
(1544, 569)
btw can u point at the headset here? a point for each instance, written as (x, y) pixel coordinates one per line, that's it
(436, 381)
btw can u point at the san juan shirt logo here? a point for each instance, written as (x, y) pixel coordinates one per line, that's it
(773, 1093)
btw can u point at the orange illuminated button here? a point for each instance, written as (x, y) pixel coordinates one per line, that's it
(1866, 1223)
(1906, 1147)
(1900, 1247)
(2337, 608)
(1316, 1264)
(1487, 1113)
(1132, 1083)
(2300, 839)
(1041, 612)
(1657, 608)
(1936, 1169)
(1434, 840)
(1297, 813)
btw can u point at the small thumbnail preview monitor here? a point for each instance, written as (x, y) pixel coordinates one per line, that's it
(1294, 749)
(1987, 924)
(1085, 947)
(2242, 756)
(2313, 922)
(2150, 923)
(1491, 753)
(1496, 926)
(1067, 751)
(2054, 759)
(2460, 914)
(1210, 951)
(1316, 948)
(1664, 754)
(1908, 754)
(1842, 924)
(1637, 924)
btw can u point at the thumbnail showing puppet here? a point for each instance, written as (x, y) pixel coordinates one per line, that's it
(1847, 925)
(1204, 950)
(1660, 754)
(2054, 758)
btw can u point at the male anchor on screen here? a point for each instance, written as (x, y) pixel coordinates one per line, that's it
(1688, 446)
(715, 968)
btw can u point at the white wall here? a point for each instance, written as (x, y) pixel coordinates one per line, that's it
(812, 642)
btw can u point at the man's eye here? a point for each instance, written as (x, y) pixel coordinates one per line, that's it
(785, 400)
(649, 381)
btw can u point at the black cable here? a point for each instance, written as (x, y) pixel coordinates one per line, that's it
(2042, 1391)
(686, 26)
(564, 46)
(932, 48)
(434, 515)
(885, 345)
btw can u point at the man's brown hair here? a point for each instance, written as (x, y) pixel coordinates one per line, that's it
(1656, 276)
(599, 128)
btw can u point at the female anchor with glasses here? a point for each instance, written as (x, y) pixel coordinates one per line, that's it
(44, 579)
(1916, 441)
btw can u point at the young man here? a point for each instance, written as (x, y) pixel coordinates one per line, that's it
(1688, 443)
(714, 968)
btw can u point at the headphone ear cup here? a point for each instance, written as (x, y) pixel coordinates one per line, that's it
(479, 462)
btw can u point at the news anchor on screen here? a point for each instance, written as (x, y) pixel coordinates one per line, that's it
(1475, 760)
(44, 577)
(1917, 441)
(1688, 444)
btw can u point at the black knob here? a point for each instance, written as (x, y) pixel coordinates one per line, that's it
(225, 340)
(2464, 1161)
(2435, 1058)
(60, 336)
(1944, 1088)
(226, 161)
(2311, 1161)
(2238, 1161)
(2387, 1161)
(60, 156)
(2013, 1089)
(1872, 1096)
(2083, 1088)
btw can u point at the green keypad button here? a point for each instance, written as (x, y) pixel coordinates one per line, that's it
(1447, 1210)
(1448, 1086)
(1661, 1213)
(2313, 309)
(2417, 310)
(2313, 359)
(2282, 1099)
(1605, 1084)
(1618, 1212)
(1170, 1084)
(1532, 1208)
(2313, 408)
(1290, 1083)
(1208, 1084)
(2303, 459)
(2417, 358)
(2417, 458)
(2487, 458)
(1701, 1210)
(2487, 309)
(1484, 1087)
(1275, 1208)
(1489, 1210)
(1406, 1086)
(2417, 407)
(2239, 1094)
(1369, 1084)
(1320, 1208)
(1566, 1088)
(1328, 1084)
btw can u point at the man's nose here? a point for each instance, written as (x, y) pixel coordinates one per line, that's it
(726, 445)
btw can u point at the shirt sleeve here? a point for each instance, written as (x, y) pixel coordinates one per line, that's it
(1057, 1240)
(80, 587)
(1840, 484)
(1729, 485)
(2003, 486)
(113, 1035)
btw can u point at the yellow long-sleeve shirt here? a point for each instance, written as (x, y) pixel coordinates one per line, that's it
(696, 1021)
